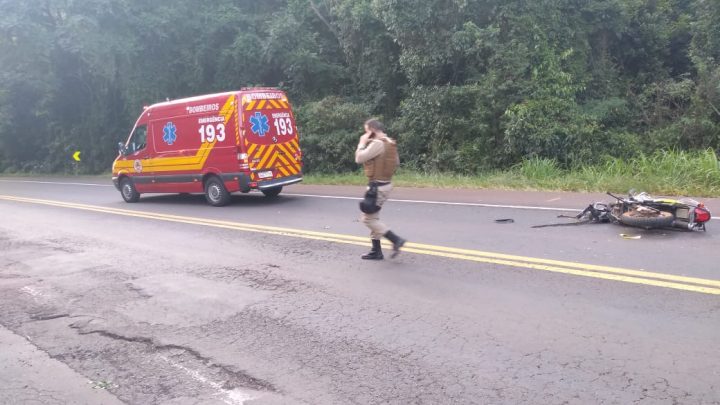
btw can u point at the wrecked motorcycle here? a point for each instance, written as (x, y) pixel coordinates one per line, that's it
(644, 211)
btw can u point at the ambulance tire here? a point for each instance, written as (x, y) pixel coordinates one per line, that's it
(215, 192)
(272, 192)
(128, 191)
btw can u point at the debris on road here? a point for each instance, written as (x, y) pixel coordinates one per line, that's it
(102, 385)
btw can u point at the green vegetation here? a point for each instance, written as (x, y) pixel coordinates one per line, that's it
(661, 174)
(587, 92)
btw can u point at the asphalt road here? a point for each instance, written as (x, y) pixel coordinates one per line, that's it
(170, 301)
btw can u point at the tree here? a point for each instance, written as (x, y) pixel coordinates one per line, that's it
(467, 85)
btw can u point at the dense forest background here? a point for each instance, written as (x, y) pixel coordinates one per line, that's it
(465, 85)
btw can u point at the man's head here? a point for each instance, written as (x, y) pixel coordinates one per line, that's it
(374, 126)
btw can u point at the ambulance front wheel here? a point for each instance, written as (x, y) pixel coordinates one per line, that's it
(128, 191)
(272, 192)
(215, 192)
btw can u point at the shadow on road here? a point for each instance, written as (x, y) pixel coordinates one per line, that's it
(245, 200)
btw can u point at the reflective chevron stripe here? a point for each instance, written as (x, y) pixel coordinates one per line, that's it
(266, 105)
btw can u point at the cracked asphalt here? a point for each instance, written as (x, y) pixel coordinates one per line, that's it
(100, 308)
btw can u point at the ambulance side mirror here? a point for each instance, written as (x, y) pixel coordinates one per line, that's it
(122, 149)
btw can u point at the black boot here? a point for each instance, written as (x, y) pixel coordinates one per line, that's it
(397, 242)
(375, 252)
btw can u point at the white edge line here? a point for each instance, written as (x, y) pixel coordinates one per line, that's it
(518, 207)
(232, 397)
(57, 182)
(514, 207)
(334, 197)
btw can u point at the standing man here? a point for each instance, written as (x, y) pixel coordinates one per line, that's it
(378, 155)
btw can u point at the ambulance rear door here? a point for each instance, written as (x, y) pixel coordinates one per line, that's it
(270, 136)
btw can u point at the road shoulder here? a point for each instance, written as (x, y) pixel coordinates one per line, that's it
(28, 375)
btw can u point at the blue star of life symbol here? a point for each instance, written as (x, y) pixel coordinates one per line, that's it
(260, 125)
(169, 133)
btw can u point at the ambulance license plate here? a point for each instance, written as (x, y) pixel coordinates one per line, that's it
(265, 175)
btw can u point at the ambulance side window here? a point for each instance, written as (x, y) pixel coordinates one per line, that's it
(138, 140)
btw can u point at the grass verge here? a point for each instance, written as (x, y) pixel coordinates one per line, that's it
(663, 173)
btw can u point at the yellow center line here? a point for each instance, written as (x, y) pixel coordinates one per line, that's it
(700, 285)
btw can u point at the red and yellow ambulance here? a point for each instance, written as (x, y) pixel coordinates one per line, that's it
(215, 144)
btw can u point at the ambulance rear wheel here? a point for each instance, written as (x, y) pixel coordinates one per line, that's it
(215, 192)
(272, 192)
(128, 191)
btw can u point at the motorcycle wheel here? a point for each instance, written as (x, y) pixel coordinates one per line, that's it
(661, 220)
